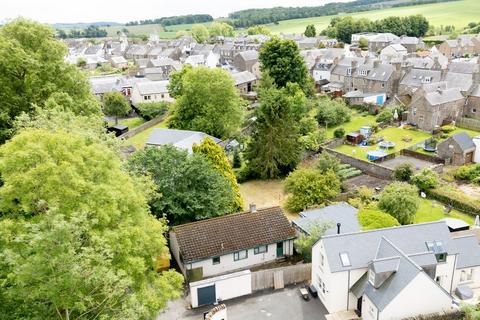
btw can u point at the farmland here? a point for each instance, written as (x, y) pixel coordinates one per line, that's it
(169, 32)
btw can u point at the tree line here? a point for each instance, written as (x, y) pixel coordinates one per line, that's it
(91, 32)
(175, 20)
(343, 28)
(251, 17)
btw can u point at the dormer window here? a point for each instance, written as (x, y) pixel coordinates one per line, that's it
(363, 72)
(345, 259)
(427, 80)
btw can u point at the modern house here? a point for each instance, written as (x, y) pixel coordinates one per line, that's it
(232, 242)
(458, 149)
(151, 91)
(182, 139)
(394, 273)
(340, 218)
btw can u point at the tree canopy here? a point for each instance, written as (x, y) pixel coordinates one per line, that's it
(207, 101)
(310, 31)
(200, 33)
(281, 59)
(115, 105)
(76, 236)
(188, 187)
(221, 29)
(32, 70)
(401, 201)
(373, 219)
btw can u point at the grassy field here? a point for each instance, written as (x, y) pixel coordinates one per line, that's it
(402, 138)
(139, 140)
(457, 13)
(354, 124)
(131, 123)
(169, 32)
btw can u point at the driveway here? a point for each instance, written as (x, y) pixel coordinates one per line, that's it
(283, 304)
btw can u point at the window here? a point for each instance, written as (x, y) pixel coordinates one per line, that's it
(371, 277)
(322, 258)
(240, 255)
(383, 85)
(437, 248)
(474, 110)
(345, 259)
(260, 249)
(349, 71)
(216, 260)
(147, 97)
(466, 275)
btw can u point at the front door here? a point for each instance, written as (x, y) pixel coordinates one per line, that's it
(359, 307)
(206, 295)
(279, 249)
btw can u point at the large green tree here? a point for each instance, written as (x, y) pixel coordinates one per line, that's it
(221, 29)
(76, 237)
(188, 187)
(115, 105)
(401, 201)
(32, 70)
(200, 33)
(274, 148)
(218, 159)
(310, 31)
(281, 59)
(207, 101)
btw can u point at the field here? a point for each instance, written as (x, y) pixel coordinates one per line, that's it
(457, 13)
(169, 32)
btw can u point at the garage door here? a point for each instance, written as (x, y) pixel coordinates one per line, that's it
(206, 295)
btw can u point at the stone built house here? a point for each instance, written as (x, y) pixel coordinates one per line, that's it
(460, 47)
(458, 150)
(248, 61)
(394, 273)
(232, 242)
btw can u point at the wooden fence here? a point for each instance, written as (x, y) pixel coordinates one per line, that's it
(469, 123)
(267, 279)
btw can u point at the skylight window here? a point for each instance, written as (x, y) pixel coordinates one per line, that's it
(345, 259)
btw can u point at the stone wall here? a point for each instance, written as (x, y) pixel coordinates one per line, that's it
(143, 127)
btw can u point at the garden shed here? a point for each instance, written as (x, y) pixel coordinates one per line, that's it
(458, 149)
(354, 138)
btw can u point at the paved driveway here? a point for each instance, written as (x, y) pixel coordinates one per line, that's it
(283, 304)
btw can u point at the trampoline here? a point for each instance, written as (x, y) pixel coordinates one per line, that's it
(375, 154)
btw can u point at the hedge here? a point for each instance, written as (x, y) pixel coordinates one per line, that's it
(456, 199)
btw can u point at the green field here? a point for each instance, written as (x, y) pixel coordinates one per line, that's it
(457, 13)
(169, 32)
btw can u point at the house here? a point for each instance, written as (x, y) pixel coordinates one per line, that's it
(181, 139)
(119, 62)
(245, 82)
(160, 69)
(137, 51)
(435, 105)
(232, 242)
(394, 273)
(248, 61)
(376, 41)
(412, 44)
(472, 106)
(460, 47)
(360, 98)
(111, 83)
(414, 79)
(341, 218)
(458, 149)
(393, 51)
(463, 75)
(151, 91)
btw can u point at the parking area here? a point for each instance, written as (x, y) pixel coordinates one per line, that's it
(285, 304)
(416, 163)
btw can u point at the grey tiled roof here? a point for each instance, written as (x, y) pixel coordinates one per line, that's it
(152, 87)
(182, 139)
(469, 252)
(416, 77)
(338, 213)
(243, 77)
(443, 96)
(464, 141)
(249, 55)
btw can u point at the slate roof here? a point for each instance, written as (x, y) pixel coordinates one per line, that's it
(415, 77)
(118, 59)
(463, 67)
(243, 77)
(443, 96)
(382, 72)
(463, 140)
(469, 252)
(152, 87)
(361, 246)
(476, 92)
(182, 139)
(463, 81)
(338, 213)
(249, 55)
(233, 232)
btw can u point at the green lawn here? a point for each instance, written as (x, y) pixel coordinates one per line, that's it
(402, 138)
(139, 140)
(131, 123)
(353, 125)
(169, 32)
(457, 13)
(430, 210)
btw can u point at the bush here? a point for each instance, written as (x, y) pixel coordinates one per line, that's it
(468, 172)
(332, 112)
(339, 133)
(385, 116)
(455, 199)
(374, 219)
(237, 159)
(326, 162)
(152, 110)
(304, 243)
(365, 194)
(401, 201)
(448, 129)
(403, 172)
(310, 187)
(313, 140)
(426, 179)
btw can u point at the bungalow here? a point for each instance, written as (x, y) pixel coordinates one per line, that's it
(232, 242)
(181, 139)
(394, 273)
(151, 91)
(458, 149)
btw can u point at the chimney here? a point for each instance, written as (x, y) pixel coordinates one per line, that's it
(339, 225)
(253, 208)
(376, 63)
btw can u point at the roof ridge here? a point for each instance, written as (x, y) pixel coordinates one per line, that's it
(225, 216)
(464, 236)
(403, 254)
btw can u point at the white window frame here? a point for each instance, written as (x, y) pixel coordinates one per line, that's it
(237, 255)
(466, 275)
(260, 249)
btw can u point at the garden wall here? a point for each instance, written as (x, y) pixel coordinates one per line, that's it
(367, 167)
(421, 156)
(143, 127)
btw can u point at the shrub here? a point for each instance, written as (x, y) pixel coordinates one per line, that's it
(426, 179)
(326, 162)
(468, 172)
(373, 219)
(307, 125)
(237, 159)
(448, 129)
(332, 112)
(339, 133)
(365, 194)
(385, 116)
(310, 187)
(403, 172)
(456, 199)
(313, 140)
(401, 201)
(304, 243)
(151, 110)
